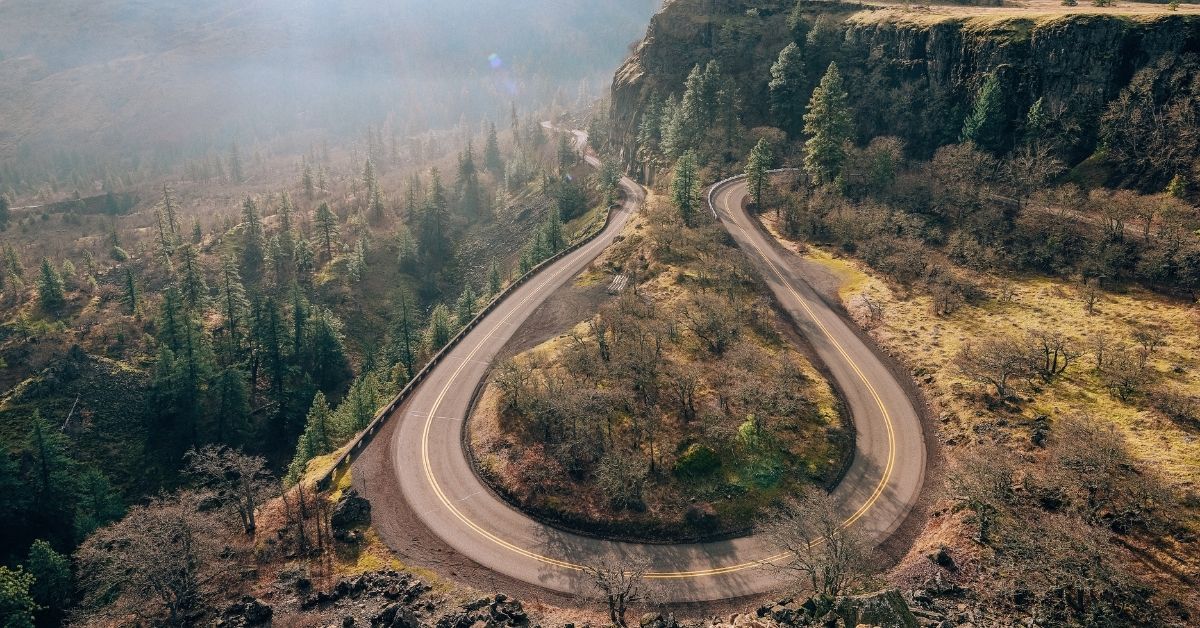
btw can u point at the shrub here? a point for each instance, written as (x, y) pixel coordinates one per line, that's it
(698, 461)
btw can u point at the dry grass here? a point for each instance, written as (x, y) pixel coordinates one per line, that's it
(1029, 12)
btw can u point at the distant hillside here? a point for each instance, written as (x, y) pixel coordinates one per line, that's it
(88, 82)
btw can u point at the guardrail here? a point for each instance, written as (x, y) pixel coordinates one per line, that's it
(363, 438)
(712, 189)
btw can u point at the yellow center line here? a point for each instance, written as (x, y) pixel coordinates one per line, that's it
(449, 504)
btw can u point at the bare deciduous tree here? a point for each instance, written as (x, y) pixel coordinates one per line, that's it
(995, 362)
(620, 583)
(160, 564)
(825, 555)
(237, 479)
(1051, 353)
(982, 482)
(1089, 293)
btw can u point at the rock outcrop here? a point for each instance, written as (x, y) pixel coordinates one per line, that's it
(912, 74)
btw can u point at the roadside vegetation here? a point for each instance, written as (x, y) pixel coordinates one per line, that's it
(682, 409)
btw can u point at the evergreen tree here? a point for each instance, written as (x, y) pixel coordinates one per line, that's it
(433, 240)
(469, 192)
(649, 132)
(328, 365)
(552, 233)
(1037, 121)
(51, 291)
(359, 406)
(16, 603)
(567, 157)
(231, 407)
(494, 279)
(192, 287)
(306, 182)
(51, 588)
(316, 439)
(170, 209)
(98, 504)
(757, 165)
(465, 306)
(171, 320)
(132, 295)
(51, 481)
(685, 188)
(235, 164)
(797, 25)
(5, 212)
(403, 338)
(197, 234)
(829, 126)
(305, 262)
(12, 262)
(327, 228)
(370, 178)
(786, 89)
(269, 336)
(438, 333)
(253, 241)
(287, 231)
(985, 126)
(491, 152)
(234, 305)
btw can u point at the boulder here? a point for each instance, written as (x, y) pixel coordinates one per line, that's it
(885, 609)
(351, 510)
(246, 612)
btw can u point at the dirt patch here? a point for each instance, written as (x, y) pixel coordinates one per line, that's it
(570, 304)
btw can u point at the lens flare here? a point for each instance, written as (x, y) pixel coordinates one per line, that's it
(494, 61)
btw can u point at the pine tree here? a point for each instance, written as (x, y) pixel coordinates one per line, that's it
(269, 336)
(465, 307)
(51, 291)
(491, 152)
(757, 165)
(316, 439)
(306, 182)
(985, 126)
(197, 234)
(234, 305)
(170, 208)
(437, 334)
(552, 233)
(327, 228)
(370, 178)
(191, 283)
(470, 194)
(359, 406)
(5, 213)
(685, 188)
(12, 262)
(328, 364)
(51, 481)
(1037, 121)
(433, 242)
(231, 407)
(171, 320)
(829, 126)
(786, 89)
(403, 339)
(494, 279)
(131, 297)
(253, 241)
(235, 164)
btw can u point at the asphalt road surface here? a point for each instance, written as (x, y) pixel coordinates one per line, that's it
(438, 483)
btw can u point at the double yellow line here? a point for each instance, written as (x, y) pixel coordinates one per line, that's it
(449, 504)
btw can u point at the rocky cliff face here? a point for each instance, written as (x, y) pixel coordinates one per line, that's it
(911, 74)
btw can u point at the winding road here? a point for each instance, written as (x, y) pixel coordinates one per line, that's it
(438, 483)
